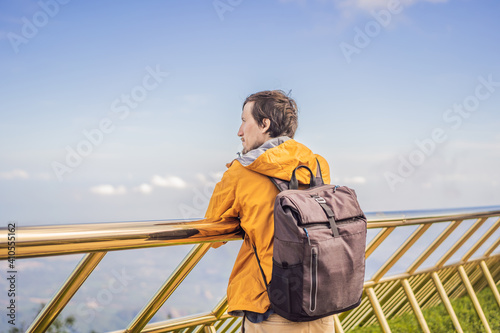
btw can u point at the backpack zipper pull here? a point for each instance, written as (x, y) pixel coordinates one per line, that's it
(307, 235)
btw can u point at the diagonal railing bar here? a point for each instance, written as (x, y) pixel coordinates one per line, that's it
(170, 285)
(377, 240)
(396, 302)
(405, 303)
(229, 324)
(400, 251)
(460, 242)
(446, 301)
(82, 271)
(355, 317)
(389, 297)
(491, 282)
(209, 329)
(434, 298)
(384, 297)
(474, 275)
(424, 286)
(431, 293)
(482, 281)
(337, 324)
(481, 241)
(453, 285)
(492, 248)
(473, 297)
(382, 291)
(415, 306)
(220, 309)
(180, 323)
(406, 307)
(191, 323)
(378, 310)
(421, 284)
(433, 246)
(448, 280)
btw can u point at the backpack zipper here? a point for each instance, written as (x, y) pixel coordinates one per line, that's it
(314, 276)
(307, 235)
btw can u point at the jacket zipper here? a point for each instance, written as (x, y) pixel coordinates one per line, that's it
(314, 276)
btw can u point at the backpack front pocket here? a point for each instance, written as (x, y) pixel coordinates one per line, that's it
(285, 290)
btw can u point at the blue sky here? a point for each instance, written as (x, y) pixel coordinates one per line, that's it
(148, 95)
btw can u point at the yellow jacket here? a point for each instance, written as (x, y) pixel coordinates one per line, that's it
(245, 191)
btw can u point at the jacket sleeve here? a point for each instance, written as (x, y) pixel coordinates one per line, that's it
(223, 204)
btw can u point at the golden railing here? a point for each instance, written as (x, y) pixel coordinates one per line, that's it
(384, 295)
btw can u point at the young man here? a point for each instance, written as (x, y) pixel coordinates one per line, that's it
(268, 124)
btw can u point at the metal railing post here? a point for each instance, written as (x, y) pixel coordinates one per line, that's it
(491, 282)
(378, 310)
(175, 279)
(473, 297)
(66, 292)
(446, 302)
(415, 306)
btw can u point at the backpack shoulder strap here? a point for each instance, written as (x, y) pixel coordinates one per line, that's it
(283, 185)
(319, 175)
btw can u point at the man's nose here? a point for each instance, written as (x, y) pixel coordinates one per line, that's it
(240, 131)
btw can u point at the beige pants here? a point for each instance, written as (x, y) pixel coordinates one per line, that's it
(276, 323)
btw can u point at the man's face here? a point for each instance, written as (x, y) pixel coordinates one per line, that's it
(252, 135)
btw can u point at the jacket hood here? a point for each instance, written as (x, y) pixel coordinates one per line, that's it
(278, 158)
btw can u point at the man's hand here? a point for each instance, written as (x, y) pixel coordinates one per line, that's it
(218, 244)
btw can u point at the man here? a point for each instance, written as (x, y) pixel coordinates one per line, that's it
(268, 124)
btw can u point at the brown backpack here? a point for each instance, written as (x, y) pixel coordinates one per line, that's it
(319, 250)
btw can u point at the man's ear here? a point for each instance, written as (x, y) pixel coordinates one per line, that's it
(266, 123)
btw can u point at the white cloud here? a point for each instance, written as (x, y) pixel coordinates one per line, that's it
(213, 179)
(144, 188)
(355, 180)
(369, 5)
(107, 189)
(201, 177)
(14, 174)
(26, 265)
(365, 4)
(38, 300)
(169, 181)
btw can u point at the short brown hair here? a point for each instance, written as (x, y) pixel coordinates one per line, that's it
(276, 106)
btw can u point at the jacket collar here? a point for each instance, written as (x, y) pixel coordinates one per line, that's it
(252, 155)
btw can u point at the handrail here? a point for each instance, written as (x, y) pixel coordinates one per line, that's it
(42, 241)
(383, 297)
